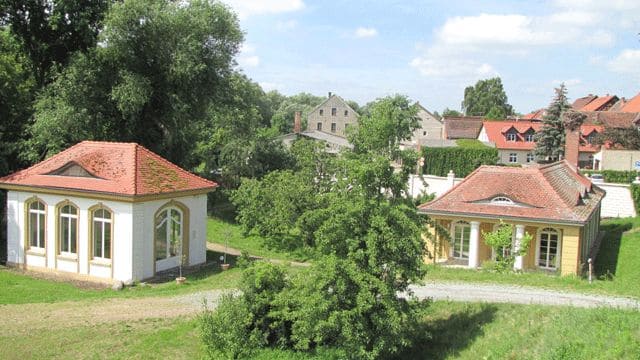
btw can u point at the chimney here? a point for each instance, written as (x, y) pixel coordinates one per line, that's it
(297, 122)
(572, 122)
(329, 94)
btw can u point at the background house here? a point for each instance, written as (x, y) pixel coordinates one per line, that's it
(558, 207)
(462, 127)
(333, 116)
(111, 211)
(431, 127)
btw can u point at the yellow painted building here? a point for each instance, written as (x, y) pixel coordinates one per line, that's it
(558, 208)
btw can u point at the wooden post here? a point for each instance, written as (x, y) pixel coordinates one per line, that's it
(590, 270)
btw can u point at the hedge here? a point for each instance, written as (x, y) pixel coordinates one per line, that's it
(438, 161)
(614, 176)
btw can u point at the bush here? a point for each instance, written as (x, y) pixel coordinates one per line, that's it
(635, 194)
(244, 260)
(614, 176)
(438, 161)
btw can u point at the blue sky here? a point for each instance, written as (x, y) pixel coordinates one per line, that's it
(432, 50)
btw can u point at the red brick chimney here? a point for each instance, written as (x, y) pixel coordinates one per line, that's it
(572, 146)
(297, 122)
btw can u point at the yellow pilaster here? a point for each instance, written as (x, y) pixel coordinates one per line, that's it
(570, 258)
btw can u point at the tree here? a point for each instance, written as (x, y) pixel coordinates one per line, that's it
(283, 117)
(449, 112)
(50, 32)
(486, 98)
(550, 139)
(501, 241)
(161, 67)
(626, 138)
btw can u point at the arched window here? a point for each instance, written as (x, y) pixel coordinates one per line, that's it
(548, 248)
(501, 200)
(102, 230)
(68, 229)
(168, 232)
(36, 224)
(460, 240)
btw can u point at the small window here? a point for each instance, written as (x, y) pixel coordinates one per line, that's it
(321, 112)
(319, 126)
(36, 224)
(346, 113)
(513, 157)
(333, 127)
(102, 231)
(528, 137)
(334, 111)
(511, 136)
(424, 133)
(501, 200)
(530, 157)
(68, 235)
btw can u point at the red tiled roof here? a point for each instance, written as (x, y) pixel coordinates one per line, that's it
(109, 167)
(553, 192)
(496, 132)
(600, 103)
(462, 127)
(535, 115)
(611, 119)
(581, 102)
(633, 105)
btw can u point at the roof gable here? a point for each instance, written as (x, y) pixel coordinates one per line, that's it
(633, 105)
(462, 127)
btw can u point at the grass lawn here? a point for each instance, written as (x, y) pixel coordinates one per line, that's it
(21, 289)
(617, 267)
(218, 230)
(471, 144)
(450, 331)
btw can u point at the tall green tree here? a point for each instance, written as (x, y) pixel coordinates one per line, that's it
(160, 68)
(550, 139)
(486, 98)
(283, 117)
(50, 32)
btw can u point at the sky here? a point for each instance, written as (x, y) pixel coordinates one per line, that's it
(431, 50)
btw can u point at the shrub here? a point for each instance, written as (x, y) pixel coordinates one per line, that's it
(438, 161)
(614, 176)
(635, 193)
(244, 260)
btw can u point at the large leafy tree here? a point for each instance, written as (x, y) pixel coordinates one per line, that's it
(550, 139)
(160, 68)
(486, 98)
(626, 138)
(283, 116)
(50, 32)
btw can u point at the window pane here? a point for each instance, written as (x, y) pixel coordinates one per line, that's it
(64, 234)
(107, 241)
(33, 230)
(41, 225)
(97, 238)
(74, 235)
(161, 239)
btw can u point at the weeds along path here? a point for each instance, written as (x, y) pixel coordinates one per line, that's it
(30, 318)
(494, 293)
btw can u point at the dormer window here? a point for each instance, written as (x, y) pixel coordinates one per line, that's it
(501, 200)
(528, 137)
(72, 169)
(511, 136)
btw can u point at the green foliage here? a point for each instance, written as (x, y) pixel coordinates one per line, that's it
(471, 144)
(614, 176)
(449, 112)
(486, 98)
(627, 138)
(462, 160)
(283, 116)
(244, 260)
(550, 139)
(159, 71)
(501, 241)
(635, 194)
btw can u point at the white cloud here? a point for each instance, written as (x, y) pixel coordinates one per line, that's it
(365, 32)
(444, 67)
(600, 38)
(246, 8)
(570, 83)
(286, 25)
(627, 62)
(247, 57)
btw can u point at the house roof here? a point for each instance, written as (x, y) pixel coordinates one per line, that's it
(496, 132)
(633, 105)
(550, 193)
(612, 119)
(600, 103)
(427, 111)
(535, 115)
(462, 127)
(338, 98)
(114, 168)
(579, 103)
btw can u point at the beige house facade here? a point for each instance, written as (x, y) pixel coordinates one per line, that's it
(431, 128)
(334, 116)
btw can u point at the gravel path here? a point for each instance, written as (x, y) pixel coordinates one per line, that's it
(235, 252)
(476, 292)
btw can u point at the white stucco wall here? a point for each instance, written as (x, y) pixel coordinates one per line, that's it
(80, 264)
(434, 184)
(618, 201)
(143, 228)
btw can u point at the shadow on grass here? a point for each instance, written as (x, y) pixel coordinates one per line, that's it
(442, 338)
(221, 207)
(211, 267)
(607, 259)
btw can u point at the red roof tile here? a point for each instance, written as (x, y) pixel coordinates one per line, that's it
(535, 115)
(553, 192)
(582, 102)
(108, 167)
(612, 119)
(600, 103)
(633, 105)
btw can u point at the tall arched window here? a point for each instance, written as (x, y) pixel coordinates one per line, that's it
(68, 229)
(102, 231)
(168, 232)
(460, 240)
(36, 224)
(548, 249)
